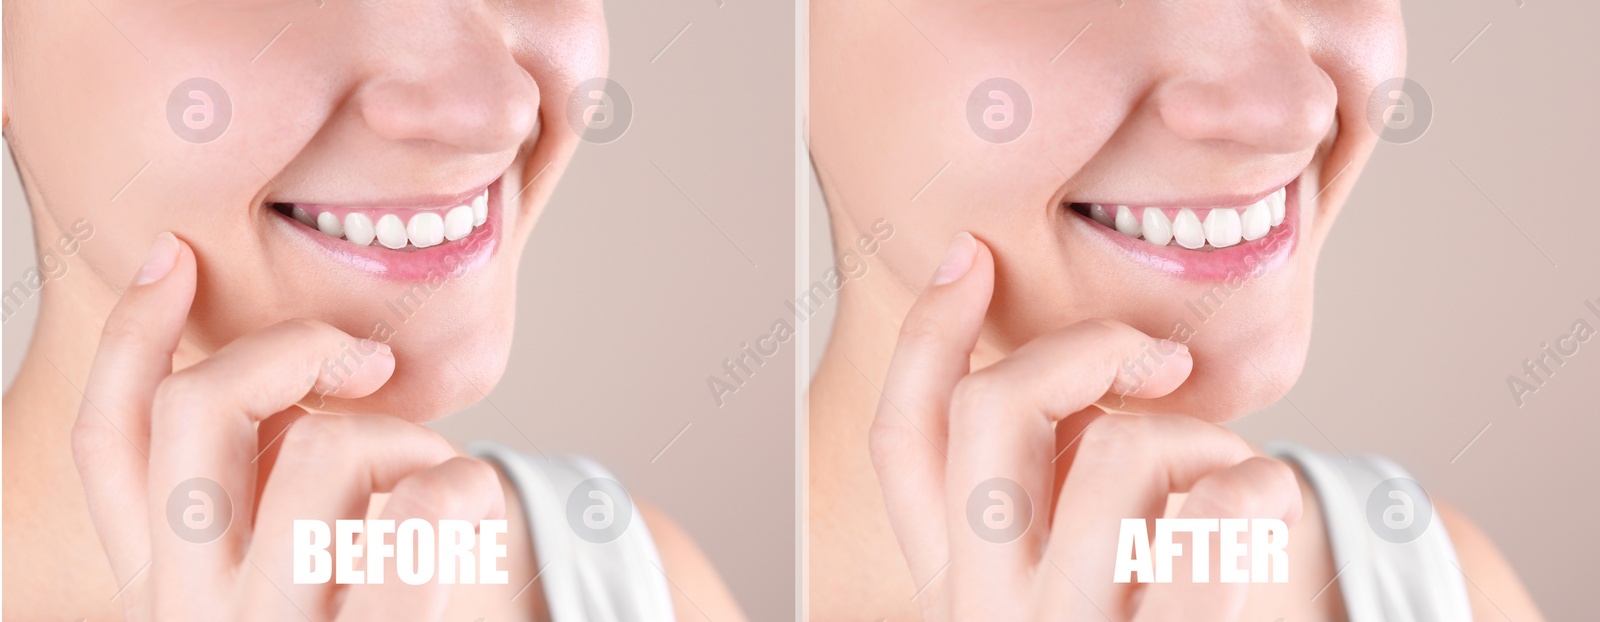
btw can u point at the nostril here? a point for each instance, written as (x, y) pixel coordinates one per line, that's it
(479, 107)
(1280, 105)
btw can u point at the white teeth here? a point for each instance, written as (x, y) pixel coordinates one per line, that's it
(1186, 230)
(1257, 221)
(1126, 223)
(1276, 202)
(358, 229)
(1098, 213)
(329, 224)
(391, 232)
(425, 229)
(1222, 228)
(1157, 229)
(480, 209)
(301, 215)
(422, 229)
(458, 223)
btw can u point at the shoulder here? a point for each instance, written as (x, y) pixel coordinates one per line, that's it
(697, 589)
(1493, 586)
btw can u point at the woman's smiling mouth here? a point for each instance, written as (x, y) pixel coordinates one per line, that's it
(411, 239)
(1191, 228)
(394, 228)
(1210, 243)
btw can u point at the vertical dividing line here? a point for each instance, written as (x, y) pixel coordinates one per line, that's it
(802, 276)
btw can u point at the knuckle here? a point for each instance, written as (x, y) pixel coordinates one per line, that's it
(125, 329)
(1284, 483)
(425, 437)
(888, 440)
(977, 398)
(313, 437)
(482, 475)
(1280, 474)
(1212, 497)
(1255, 488)
(977, 392)
(175, 392)
(425, 496)
(1116, 437)
(490, 491)
(89, 439)
(922, 327)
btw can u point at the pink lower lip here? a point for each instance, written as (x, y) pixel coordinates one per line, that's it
(447, 260)
(1244, 260)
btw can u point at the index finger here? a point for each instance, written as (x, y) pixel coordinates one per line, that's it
(908, 435)
(203, 437)
(111, 438)
(1002, 443)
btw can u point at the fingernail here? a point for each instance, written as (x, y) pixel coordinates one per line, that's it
(373, 346)
(163, 255)
(1168, 346)
(957, 260)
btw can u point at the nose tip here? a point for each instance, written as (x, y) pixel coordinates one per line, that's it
(476, 101)
(1277, 101)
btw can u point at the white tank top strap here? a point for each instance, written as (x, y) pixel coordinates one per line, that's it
(598, 562)
(1396, 561)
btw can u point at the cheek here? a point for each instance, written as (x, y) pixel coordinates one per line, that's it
(560, 51)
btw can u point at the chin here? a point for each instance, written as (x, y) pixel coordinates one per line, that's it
(1232, 379)
(438, 376)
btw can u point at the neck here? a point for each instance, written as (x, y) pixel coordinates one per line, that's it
(850, 536)
(844, 391)
(44, 500)
(42, 401)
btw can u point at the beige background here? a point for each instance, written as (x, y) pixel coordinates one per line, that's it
(1428, 296)
(631, 294)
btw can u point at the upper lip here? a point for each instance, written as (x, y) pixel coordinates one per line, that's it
(417, 201)
(1228, 200)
